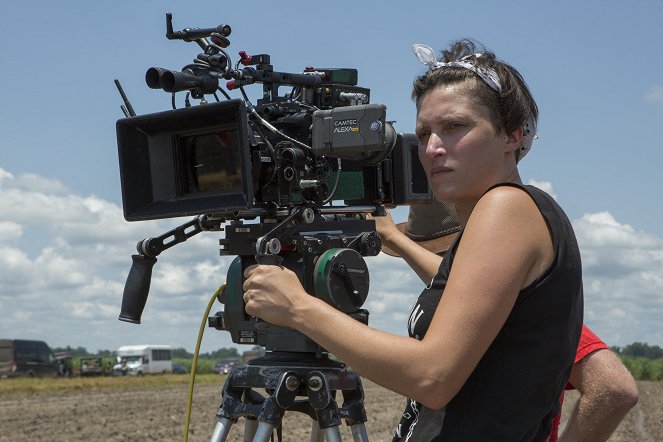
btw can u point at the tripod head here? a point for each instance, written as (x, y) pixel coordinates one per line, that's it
(324, 247)
(325, 251)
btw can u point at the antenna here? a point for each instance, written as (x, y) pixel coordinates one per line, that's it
(126, 107)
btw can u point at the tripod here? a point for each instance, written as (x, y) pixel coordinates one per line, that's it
(286, 376)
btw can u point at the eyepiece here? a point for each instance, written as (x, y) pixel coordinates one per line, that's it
(153, 77)
(172, 81)
(168, 81)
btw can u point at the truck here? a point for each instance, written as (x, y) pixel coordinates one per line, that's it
(23, 357)
(138, 360)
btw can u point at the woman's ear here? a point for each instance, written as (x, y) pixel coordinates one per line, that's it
(514, 139)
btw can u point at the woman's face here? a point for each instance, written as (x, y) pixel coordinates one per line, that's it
(458, 146)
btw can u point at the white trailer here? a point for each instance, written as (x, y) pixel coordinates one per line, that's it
(143, 359)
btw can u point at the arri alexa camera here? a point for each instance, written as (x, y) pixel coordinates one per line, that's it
(289, 179)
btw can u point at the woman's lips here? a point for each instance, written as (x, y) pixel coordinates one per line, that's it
(439, 170)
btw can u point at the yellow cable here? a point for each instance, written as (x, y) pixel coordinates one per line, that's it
(192, 379)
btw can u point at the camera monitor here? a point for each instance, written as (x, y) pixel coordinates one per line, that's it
(185, 162)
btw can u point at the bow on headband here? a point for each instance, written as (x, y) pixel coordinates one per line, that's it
(426, 55)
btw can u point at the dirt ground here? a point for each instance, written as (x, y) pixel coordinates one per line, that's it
(158, 414)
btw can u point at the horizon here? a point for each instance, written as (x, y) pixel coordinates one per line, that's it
(65, 246)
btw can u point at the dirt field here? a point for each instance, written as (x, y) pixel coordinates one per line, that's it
(148, 414)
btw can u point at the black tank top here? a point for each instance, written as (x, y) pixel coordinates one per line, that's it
(513, 393)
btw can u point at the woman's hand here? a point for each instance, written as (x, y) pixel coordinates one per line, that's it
(273, 293)
(385, 227)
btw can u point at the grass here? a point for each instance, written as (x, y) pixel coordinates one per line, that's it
(46, 386)
(644, 368)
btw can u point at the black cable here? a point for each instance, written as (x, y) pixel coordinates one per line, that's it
(246, 97)
(338, 178)
(272, 152)
(225, 94)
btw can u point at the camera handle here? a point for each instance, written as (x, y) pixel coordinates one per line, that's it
(137, 286)
(193, 34)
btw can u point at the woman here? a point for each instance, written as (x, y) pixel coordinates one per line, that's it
(493, 336)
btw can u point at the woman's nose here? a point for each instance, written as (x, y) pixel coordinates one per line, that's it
(434, 146)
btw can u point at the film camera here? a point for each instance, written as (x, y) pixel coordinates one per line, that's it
(286, 161)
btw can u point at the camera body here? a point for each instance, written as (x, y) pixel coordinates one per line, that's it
(216, 158)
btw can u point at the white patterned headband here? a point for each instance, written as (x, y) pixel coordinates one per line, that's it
(426, 55)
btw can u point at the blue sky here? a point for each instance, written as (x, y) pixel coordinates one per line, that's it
(594, 68)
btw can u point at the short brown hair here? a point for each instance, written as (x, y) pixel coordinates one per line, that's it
(508, 108)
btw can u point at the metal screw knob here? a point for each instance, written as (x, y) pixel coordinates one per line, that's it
(315, 383)
(291, 383)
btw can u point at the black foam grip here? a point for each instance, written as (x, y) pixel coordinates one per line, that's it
(136, 288)
(272, 260)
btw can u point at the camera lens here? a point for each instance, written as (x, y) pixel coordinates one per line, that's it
(214, 162)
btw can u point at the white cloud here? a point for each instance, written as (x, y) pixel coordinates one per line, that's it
(394, 290)
(5, 177)
(546, 186)
(63, 275)
(654, 94)
(31, 183)
(65, 259)
(15, 266)
(57, 270)
(602, 229)
(10, 231)
(623, 280)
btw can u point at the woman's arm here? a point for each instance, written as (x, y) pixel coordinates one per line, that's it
(424, 263)
(505, 242)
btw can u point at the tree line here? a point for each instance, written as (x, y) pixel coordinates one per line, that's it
(635, 350)
(177, 353)
(639, 350)
(644, 361)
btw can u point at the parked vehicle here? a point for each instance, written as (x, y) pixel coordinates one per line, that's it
(20, 357)
(226, 365)
(143, 359)
(91, 366)
(179, 369)
(65, 363)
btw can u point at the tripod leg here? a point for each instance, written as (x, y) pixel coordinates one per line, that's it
(221, 430)
(316, 433)
(333, 434)
(250, 427)
(264, 432)
(359, 433)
